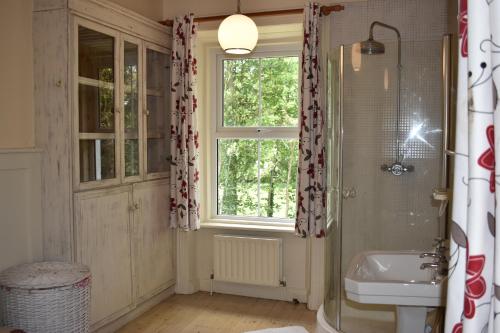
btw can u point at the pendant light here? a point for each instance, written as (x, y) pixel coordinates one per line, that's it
(238, 34)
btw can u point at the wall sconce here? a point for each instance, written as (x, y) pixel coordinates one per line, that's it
(356, 57)
(386, 79)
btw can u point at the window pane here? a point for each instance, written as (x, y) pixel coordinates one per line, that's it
(237, 177)
(96, 109)
(244, 190)
(131, 109)
(280, 89)
(97, 160)
(131, 157)
(241, 92)
(278, 178)
(96, 105)
(157, 87)
(95, 55)
(261, 92)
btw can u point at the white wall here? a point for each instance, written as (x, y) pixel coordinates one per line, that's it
(16, 79)
(20, 207)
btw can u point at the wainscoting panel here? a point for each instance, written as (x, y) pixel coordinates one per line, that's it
(20, 207)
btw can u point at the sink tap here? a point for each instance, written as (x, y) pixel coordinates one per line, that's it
(439, 253)
(427, 265)
(432, 255)
(440, 268)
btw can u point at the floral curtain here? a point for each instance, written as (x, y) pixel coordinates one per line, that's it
(311, 192)
(184, 172)
(474, 271)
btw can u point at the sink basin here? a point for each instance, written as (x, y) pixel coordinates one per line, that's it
(386, 277)
(382, 277)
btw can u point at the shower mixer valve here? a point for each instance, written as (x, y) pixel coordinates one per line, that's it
(397, 168)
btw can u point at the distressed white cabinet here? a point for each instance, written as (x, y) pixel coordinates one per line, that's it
(101, 117)
(154, 239)
(103, 222)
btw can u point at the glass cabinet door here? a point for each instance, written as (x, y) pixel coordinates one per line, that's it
(157, 106)
(131, 120)
(96, 106)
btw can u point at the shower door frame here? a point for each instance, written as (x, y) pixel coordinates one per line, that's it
(336, 225)
(338, 114)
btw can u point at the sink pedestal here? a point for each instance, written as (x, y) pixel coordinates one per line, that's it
(411, 319)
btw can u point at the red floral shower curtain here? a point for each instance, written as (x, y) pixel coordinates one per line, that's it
(474, 269)
(184, 172)
(311, 192)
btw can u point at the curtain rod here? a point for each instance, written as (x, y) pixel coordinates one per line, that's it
(325, 10)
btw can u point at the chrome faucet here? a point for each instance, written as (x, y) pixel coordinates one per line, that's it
(439, 251)
(440, 262)
(427, 265)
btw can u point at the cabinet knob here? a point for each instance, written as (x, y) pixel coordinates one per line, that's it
(134, 207)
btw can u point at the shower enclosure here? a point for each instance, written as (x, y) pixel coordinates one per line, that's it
(369, 208)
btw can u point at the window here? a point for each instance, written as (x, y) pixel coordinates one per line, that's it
(256, 136)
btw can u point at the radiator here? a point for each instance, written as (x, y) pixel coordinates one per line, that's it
(250, 260)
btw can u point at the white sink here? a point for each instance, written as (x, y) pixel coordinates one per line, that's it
(386, 277)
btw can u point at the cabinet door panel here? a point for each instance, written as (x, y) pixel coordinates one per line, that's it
(154, 250)
(157, 106)
(102, 229)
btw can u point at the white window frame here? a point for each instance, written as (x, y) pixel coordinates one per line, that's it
(218, 131)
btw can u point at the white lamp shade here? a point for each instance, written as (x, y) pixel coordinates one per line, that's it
(238, 34)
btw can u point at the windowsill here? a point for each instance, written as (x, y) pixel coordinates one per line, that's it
(248, 225)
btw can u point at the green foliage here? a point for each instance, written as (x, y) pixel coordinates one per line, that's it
(131, 110)
(257, 177)
(106, 100)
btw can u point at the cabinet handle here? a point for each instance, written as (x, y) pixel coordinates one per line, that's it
(134, 207)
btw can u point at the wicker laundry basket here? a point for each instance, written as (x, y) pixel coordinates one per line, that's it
(46, 297)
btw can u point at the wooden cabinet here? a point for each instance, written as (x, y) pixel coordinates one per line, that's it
(154, 239)
(103, 222)
(102, 120)
(123, 235)
(122, 90)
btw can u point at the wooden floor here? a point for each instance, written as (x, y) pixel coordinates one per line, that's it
(202, 313)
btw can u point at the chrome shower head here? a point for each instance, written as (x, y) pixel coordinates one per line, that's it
(372, 47)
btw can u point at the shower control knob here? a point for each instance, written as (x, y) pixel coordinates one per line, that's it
(397, 168)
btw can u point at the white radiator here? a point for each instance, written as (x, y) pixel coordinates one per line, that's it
(245, 259)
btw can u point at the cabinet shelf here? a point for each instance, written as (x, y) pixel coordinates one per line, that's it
(95, 83)
(97, 136)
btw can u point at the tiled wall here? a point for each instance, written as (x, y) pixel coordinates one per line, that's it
(417, 20)
(390, 212)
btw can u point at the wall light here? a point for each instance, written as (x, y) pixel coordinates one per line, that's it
(386, 79)
(356, 57)
(238, 34)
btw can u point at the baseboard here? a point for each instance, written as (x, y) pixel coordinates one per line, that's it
(276, 293)
(139, 310)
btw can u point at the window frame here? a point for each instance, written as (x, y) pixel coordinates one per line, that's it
(218, 131)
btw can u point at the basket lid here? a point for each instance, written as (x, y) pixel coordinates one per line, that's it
(43, 275)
